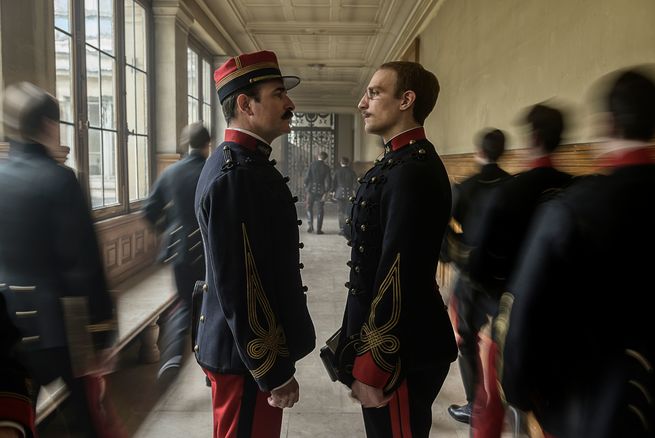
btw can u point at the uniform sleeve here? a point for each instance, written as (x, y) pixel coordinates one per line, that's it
(406, 219)
(522, 327)
(241, 252)
(78, 260)
(155, 205)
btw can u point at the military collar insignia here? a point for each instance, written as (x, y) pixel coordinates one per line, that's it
(626, 157)
(405, 138)
(543, 161)
(248, 141)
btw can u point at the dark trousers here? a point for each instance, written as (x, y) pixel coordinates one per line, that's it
(315, 198)
(343, 206)
(176, 324)
(240, 409)
(45, 366)
(409, 413)
(471, 309)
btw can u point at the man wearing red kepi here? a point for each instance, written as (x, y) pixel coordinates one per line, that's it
(253, 324)
(396, 342)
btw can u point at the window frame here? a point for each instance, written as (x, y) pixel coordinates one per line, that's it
(81, 122)
(203, 55)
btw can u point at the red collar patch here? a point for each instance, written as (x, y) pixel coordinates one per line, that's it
(626, 157)
(544, 161)
(242, 138)
(407, 137)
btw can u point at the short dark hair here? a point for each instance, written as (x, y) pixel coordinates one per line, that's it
(547, 123)
(323, 155)
(229, 105)
(195, 135)
(412, 76)
(492, 143)
(631, 100)
(345, 161)
(25, 107)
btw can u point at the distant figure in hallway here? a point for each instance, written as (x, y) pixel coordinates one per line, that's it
(170, 209)
(343, 186)
(577, 322)
(253, 323)
(396, 342)
(471, 304)
(317, 185)
(48, 251)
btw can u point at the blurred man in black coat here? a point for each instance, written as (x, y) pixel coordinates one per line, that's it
(343, 186)
(577, 322)
(396, 342)
(317, 184)
(48, 248)
(505, 223)
(470, 199)
(254, 323)
(170, 209)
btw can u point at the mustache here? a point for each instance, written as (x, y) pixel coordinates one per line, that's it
(287, 115)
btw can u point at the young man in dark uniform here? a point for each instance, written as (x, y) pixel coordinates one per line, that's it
(49, 251)
(317, 183)
(576, 325)
(396, 341)
(254, 323)
(170, 208)
(471, 305)
(505, 223)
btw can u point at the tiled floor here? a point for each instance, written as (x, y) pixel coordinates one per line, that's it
(183, 409)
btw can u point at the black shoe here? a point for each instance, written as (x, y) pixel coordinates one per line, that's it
(319, 232)
(461, 413)
(310, 230)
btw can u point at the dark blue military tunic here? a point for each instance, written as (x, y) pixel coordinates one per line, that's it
(395, 319)
(254, 315)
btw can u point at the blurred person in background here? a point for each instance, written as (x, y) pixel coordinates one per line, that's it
(317, 184)
(471, 304)
(576, 326)
(343, 186)
(504, 225)
(48, 250)
(170, 209)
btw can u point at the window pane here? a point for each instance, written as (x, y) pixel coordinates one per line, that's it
(142, 151)
(93, 86)
(107, 25)
(108, 112)
(95, 168)
(64, 86)
(140, 36)
(142, 103)
(192, 67)
(207, 117)
(62, 15)
(193, 110)
(91, 22)
(110, 167)
(132, 166)
(129, 32)
(130, 99)
(67, 138)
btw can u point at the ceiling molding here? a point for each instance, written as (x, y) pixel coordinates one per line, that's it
(309, 28)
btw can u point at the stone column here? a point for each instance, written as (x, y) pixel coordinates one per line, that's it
(172, 20)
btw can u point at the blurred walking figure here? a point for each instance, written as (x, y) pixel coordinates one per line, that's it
(170, 209)
(471, 304)
(48, 250)
(343, 186)
(576, 327)
(317, 183)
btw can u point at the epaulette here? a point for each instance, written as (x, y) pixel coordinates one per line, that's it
(229, 162)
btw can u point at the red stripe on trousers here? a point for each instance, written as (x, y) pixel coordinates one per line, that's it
(488, 409)
(227, 396)
(399, 413)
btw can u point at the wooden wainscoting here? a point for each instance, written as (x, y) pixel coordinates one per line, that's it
(128, 244)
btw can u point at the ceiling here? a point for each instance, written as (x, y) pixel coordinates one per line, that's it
(333, 45)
